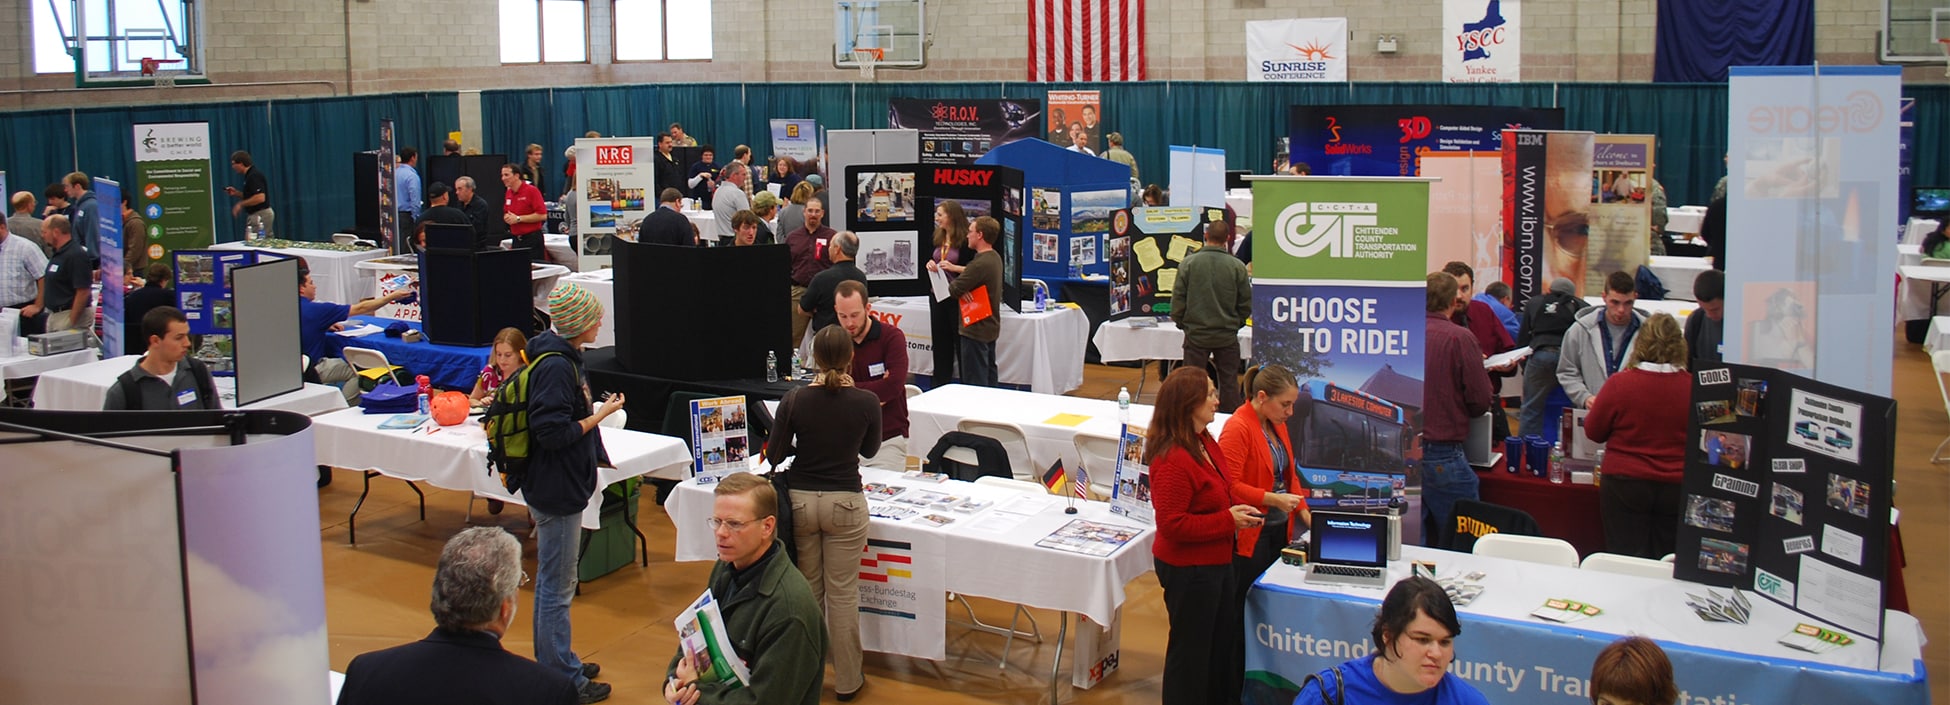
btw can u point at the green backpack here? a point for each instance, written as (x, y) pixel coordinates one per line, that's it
(507, 428)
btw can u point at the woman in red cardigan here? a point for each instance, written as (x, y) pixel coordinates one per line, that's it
(1640, 416)
(1197, 524)
(1260, 470)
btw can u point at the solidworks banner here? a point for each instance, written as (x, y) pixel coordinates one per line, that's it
(1482, 42)
(1312, 49)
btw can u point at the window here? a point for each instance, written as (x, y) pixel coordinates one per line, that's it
(119, 35)
(544, 31)
(662, 30)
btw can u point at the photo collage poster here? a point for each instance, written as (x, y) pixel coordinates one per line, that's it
(1074, 121)
(616, 189)
(981, 190)
(1787, 493)
(719, 440)
(1130, 492)
(884, 209)
(1144, 248)
(203, 294)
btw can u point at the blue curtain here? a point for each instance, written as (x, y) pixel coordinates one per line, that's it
(36, 149)
(1696, 40)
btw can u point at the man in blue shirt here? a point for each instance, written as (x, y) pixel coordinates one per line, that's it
(406, 182)
(1497, 296)
(316, 319)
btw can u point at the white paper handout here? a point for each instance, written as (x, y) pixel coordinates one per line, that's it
(1503, 358)
(361, 331)
(938, 280)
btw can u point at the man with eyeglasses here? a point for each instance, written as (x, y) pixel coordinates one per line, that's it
(769, 614)
(475, 591)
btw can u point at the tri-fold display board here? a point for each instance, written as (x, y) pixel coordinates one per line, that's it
(891, 207)
(1144, 249)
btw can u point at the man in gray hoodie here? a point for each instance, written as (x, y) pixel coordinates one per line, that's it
(1597, 345)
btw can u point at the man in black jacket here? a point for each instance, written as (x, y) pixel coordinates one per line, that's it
(562, 472)
(488, 228)
(665, 225)
(1545, 318)
(1706, 325)
(439, 210)
(817, 302)
(462, 661)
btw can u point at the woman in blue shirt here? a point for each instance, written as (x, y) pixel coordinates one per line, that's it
(1415, 638)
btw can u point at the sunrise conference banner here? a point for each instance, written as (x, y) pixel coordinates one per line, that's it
(1299, 50)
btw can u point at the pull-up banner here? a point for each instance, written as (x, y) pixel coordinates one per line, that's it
(958, 131)
(1390, 140)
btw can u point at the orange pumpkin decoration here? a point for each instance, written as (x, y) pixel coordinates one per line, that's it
(449, 408)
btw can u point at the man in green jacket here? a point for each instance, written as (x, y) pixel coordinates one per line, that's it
(769, 614)
(1211, 301)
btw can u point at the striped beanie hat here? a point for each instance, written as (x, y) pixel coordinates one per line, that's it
(573, 310)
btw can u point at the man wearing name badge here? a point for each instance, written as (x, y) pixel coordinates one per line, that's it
(666, 225)
(24, 224)
(22, 267)
(879, 366)
(254, 200)
(818, 300)
(1456, 389)
(703, 178)
(770, 617)
(730, 198)
(1706, 325)
(1210, 302)
(476, 594)
(980, 278)
(807, 246)
(487, 230)
(1598, 344)
(166, 378)
(68, 284)
(524, 211)
(318, 318)
(84, 212)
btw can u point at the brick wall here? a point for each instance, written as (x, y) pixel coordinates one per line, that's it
(377, 46)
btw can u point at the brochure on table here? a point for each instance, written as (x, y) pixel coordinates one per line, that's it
(719, 440)
(615, 182)
(1071, 198)
(1787, 492)
(113, 269)
(1390, 140)
(1130, 490)
(1145, 246)
(957, 130)
(173, 189)
(1548, 213)
(203, 292)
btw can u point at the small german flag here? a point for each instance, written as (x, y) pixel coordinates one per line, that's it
(1056, 478)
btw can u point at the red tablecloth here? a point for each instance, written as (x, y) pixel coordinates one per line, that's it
(1568, 511)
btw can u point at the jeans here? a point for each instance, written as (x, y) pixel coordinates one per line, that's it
(1446, 477)
(557, 543)
(830, 531)
(1203, 612)
(1539, 380)
(978, 363)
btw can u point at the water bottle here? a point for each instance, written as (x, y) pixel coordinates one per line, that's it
(1598, 468)
(1558, 471)
(1042, 298)
(798, 365)
(426, 404)
(771, 366)
(1124, 405)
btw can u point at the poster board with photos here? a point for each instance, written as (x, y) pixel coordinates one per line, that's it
(884, 211)
(1130, 489)
(615, 189)
(1786, 492)
(981, 190)
(719, 440)
(1071, 196)
(1144, 248)
(203, 293)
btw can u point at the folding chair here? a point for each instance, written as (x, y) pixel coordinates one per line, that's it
(1099, 458)
(1534, 549)
(1012, 439)
(1627, 565)
(1010, 633)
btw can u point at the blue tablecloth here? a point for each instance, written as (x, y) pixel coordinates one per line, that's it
(449, 366)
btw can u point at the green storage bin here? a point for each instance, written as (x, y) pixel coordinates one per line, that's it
(612, 546)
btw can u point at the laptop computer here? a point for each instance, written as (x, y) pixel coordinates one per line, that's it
(1348, 549)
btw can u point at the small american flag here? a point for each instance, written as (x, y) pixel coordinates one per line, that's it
(1080, 483)
(1086, 40)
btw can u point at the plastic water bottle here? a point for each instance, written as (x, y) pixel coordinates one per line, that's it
(798, 365)
(1123, 405)
(1598, 468)
(1042, 298)
(426, 403)
(1558, 471)
(771, 366)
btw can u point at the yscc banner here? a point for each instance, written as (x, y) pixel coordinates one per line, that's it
(1312, 49)
(1482, 41)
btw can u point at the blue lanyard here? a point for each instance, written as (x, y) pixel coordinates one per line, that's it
(1614, 357)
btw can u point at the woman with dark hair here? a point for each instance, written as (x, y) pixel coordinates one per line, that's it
(1415, 639)
(1262, 473)
(785, 173)
(951, 253)
(826, 428)
(1640, 416)
(1633, 671)
(1197, 525)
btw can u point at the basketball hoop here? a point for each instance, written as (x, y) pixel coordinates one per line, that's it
(866, 59)
(1945, 44)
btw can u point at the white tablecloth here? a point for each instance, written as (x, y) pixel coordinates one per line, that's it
(558, 247)
(602, 284)
(1041, 350)
(1677, 309)
(1685, 219)
(337, 274)
(23, 366)
(707, 225)
(1918, 283)
(85, 388)
(940, 410)
(1118, 341)
(1913, 296)
(542, 278)
(455, 457)
(1677, 274)
(1039, 577)
(1938, 337)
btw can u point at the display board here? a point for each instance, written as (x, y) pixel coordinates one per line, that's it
(1071, 198)
(1130, 489)
(1339, 268)
(956, 131)
(1787, 492)
(719, 442)
(1144, 249)
(1076, 121)
(795, 138)
(203, 293)
(112, 268)
(1389, 140)
(616, 187)
(1620, 218)
(1297, 50)
(982, 190)
(1482, 41)
(845, 148)
(266, 329)
(884, 211)
(1547, 190)
(388, 194)
(172, 187)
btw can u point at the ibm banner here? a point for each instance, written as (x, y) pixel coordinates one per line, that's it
(1297, 50)
(1811, 200)
(1482, 42)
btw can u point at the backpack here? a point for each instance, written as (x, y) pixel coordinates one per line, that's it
(507, 427)
(1648, 285)
(1339, 694)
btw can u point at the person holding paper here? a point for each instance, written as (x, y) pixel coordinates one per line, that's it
(1261, 468)
(476, 591)
(951, 251)
(1641, 418)
(1491, 339)
(769, 615)
(979, 288)
(1415, 641)
(1456, 389)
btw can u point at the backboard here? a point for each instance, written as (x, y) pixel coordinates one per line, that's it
(896, 27)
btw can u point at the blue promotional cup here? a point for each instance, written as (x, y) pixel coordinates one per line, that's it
(1513, 448)
(1540, 455)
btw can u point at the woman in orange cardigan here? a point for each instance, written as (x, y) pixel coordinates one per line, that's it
(1261, 473)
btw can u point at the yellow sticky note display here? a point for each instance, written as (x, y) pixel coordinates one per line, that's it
(1181, 246)
(1167, 280)
(1071, 420)
(1148, 256)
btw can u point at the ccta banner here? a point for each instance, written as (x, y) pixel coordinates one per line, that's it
(1297, 50)
(1483, 42)
(172, 187)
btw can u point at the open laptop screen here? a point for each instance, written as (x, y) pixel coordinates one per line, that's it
(1350, 539)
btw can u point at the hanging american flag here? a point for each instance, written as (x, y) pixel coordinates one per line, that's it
(1086, 40)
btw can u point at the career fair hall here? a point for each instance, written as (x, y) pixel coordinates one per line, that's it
(643, 351)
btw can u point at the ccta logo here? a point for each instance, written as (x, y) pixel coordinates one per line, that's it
(1308, 229)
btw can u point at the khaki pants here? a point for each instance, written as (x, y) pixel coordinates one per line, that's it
(261, 219)
(892, 455)
(830, 529)
(81, 319)
(800, 321)
(339, 373)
